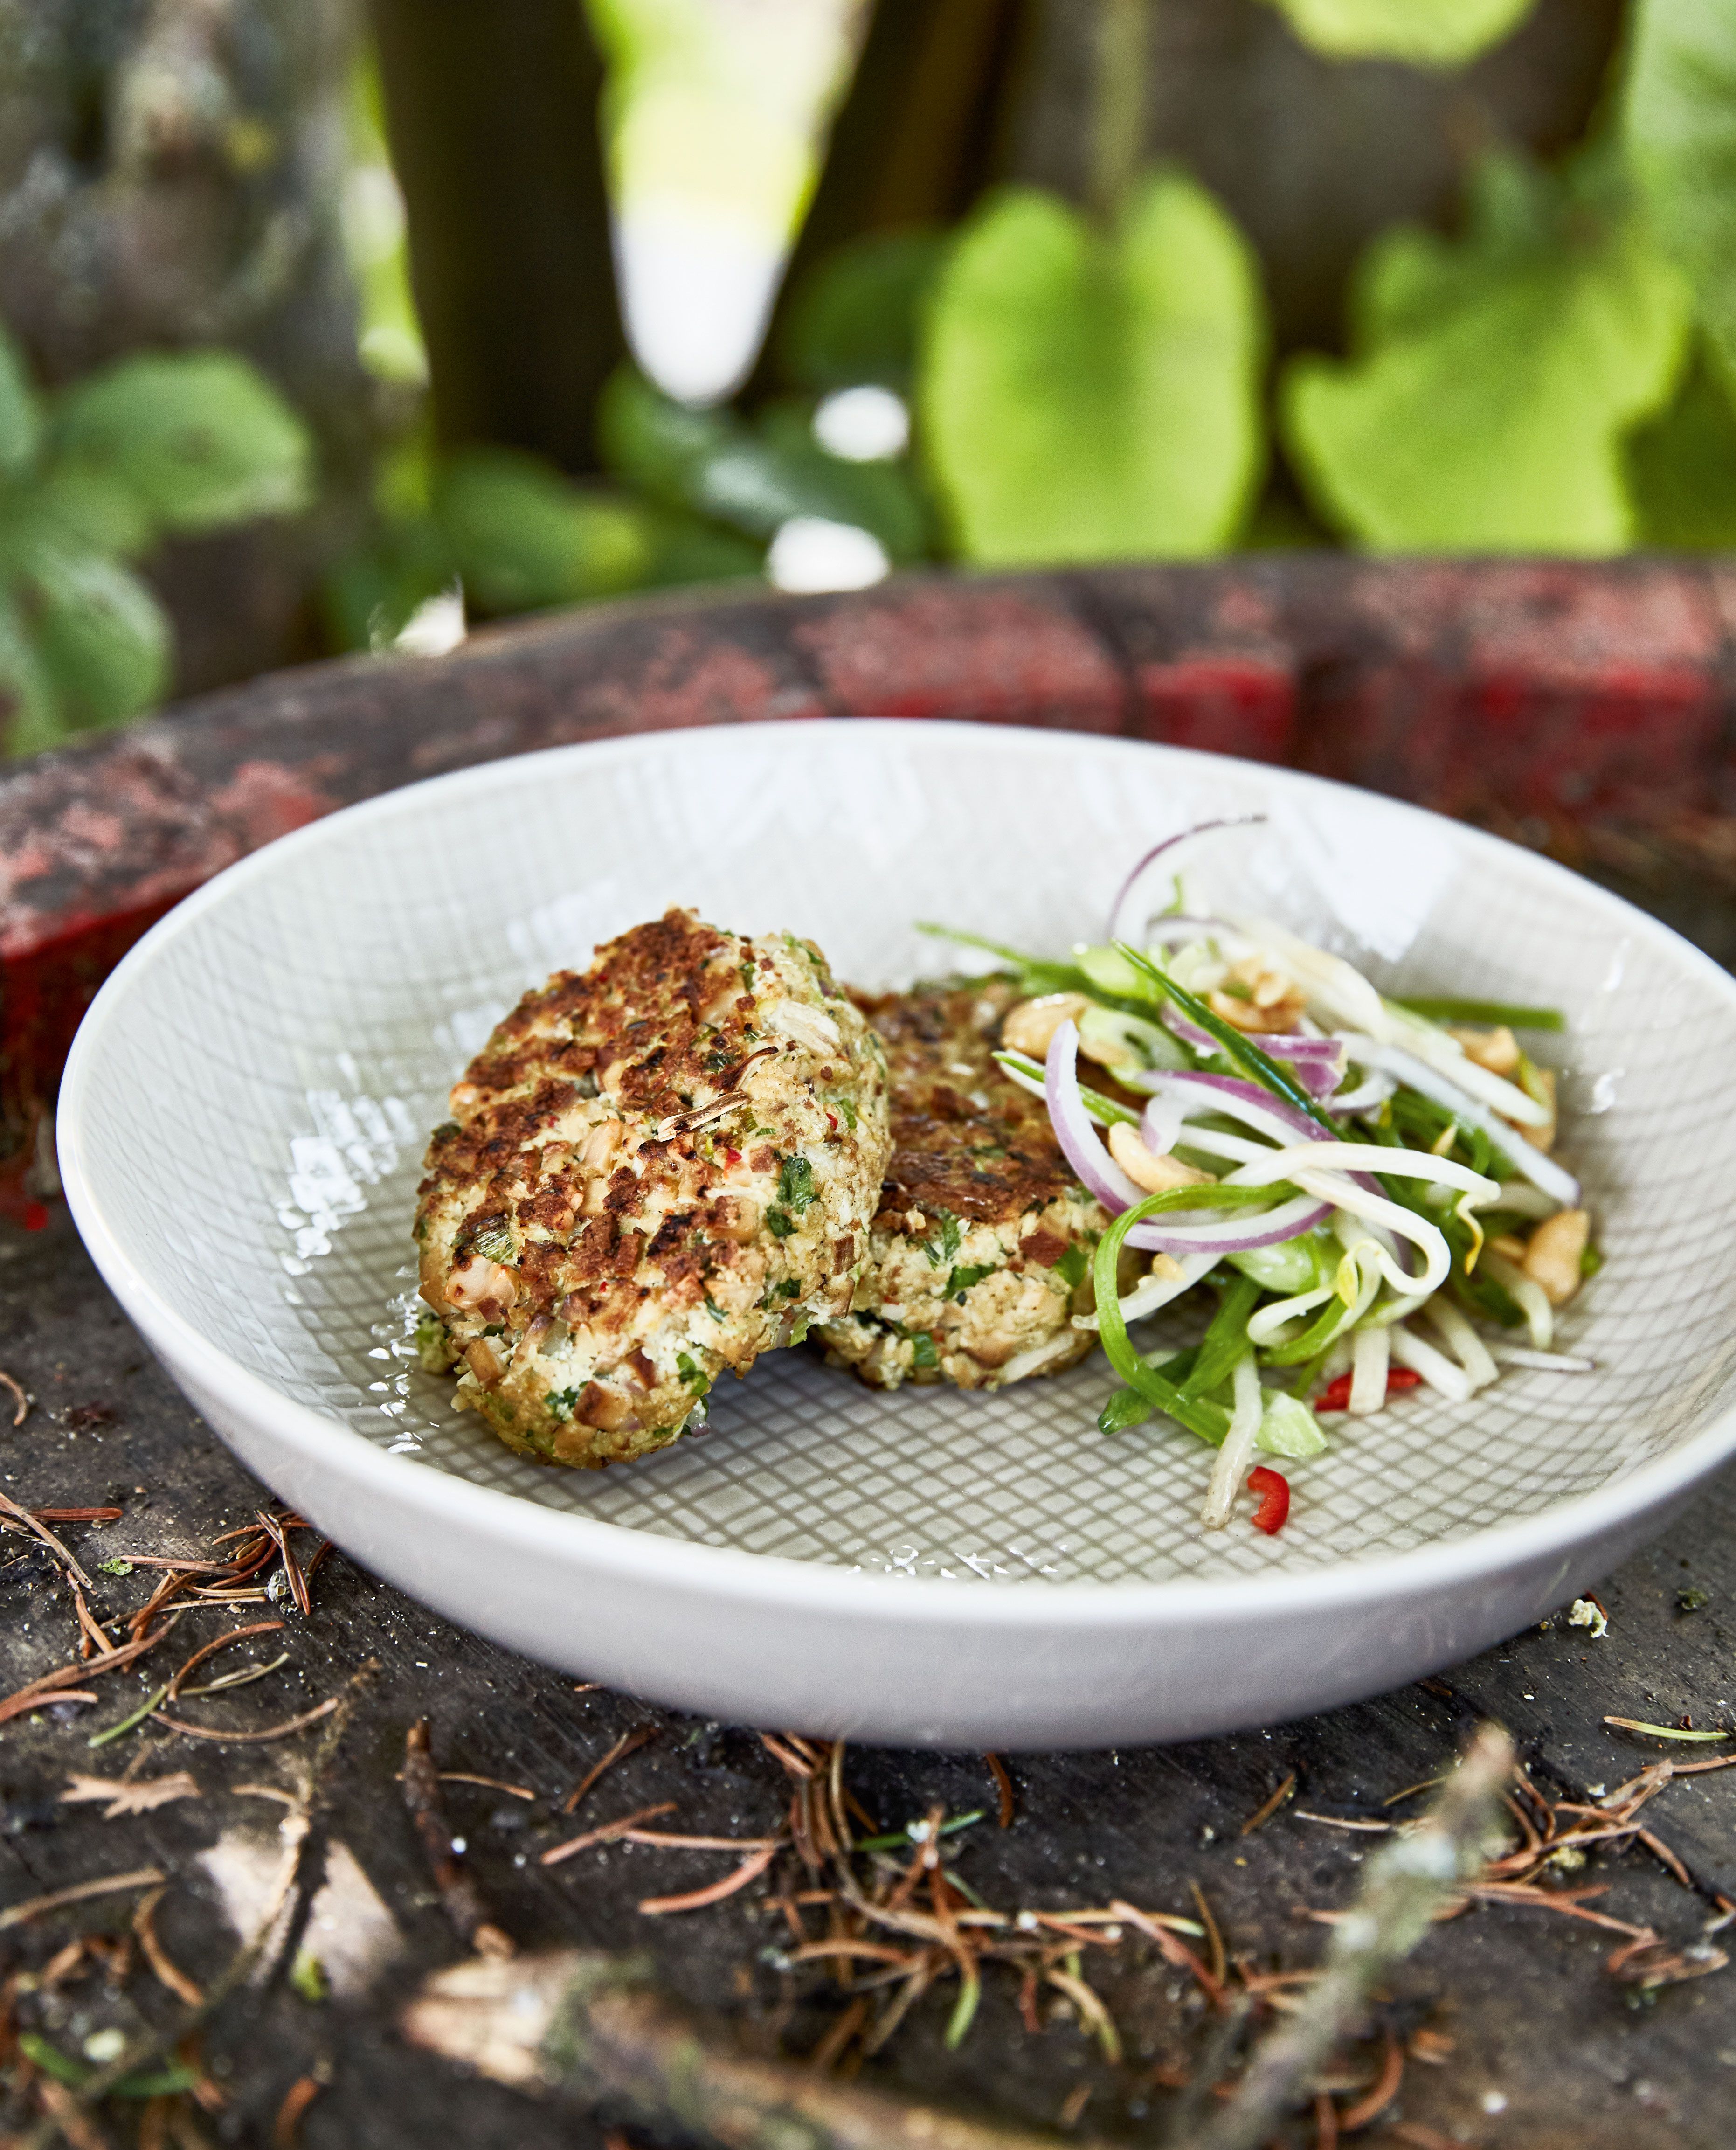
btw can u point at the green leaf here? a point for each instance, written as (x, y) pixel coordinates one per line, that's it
(684, 549)
(1494, 377)
(1681, 467)
(796, 1189)
(201, 439)
(30, 716)
(1678, 128)
(881, 497)
(1427, 32)
(749, 479)
(1087, 398)
(101, 636)
(856, 316)
(20, 417)
(77, 508)
(524, 537)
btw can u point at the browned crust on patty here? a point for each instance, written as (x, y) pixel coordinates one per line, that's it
(977, 1259)
(655, 1170)
(965, 1139)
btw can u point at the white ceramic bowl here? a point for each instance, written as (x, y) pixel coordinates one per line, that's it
(243, 1119)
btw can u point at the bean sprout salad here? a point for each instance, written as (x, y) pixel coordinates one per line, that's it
(1365, 1184)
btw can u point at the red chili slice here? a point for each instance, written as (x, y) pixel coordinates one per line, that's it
(1274, 1490)
(1336, 1395)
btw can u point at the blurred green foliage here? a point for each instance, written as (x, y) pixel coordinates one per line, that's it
(92, 478)
(1492, 378)
(697, 497)
(1091, 395)
(857, 319)
(1557, 376)
(753, 477)
(1681, 467)
(505, 528)
(1678, 130)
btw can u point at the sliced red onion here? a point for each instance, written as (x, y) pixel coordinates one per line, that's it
(1241, 1100)
(1123, 924)
(1275, 1118)
(1232, 1234)
(1318, 1075)
(1319, 1062)
(1104, 1178)
(1098, 1172)
(1283, 1045)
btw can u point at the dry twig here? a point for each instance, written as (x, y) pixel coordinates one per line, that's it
(57, 1900)
(286, 2128)
(606, 1834)
(124, 1798)
(39, 1529)
(629, 1743)
(47, 1687)
(583, 2027)
(1263, 1814)
(167, 1972)
(459, 1894)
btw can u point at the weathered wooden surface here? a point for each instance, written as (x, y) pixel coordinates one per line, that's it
(1579, 2058)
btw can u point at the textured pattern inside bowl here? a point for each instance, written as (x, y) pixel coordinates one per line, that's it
(258, 1114)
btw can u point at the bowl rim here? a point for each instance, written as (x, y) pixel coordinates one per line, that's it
(778, 1580)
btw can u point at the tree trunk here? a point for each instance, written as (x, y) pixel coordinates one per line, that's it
(170, 176)
(492, 110)
(921, 132)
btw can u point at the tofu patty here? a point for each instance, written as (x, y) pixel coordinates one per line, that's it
(653, 1171)
(981, 1250)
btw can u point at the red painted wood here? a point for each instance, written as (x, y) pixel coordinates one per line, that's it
(1544, 696)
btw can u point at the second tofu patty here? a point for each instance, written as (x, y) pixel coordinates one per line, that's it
(981, 1250)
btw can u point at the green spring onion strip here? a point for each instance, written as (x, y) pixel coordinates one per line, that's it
(1124, 1408)
(1224, 1342)
(1485, 1011)
(1258, 1066)
(1312, 1342)
(1063, 977)
(1037, 973)
(1106, 1108)
(1210, 1421)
